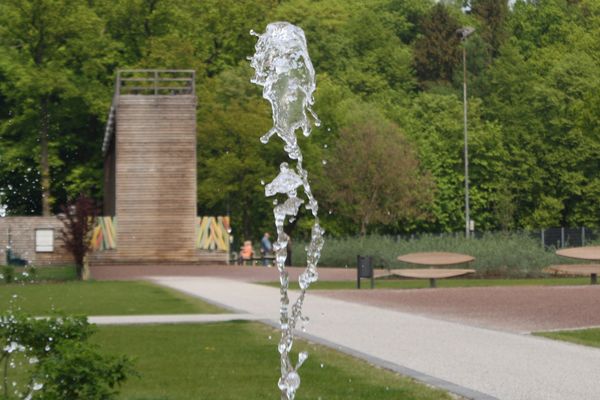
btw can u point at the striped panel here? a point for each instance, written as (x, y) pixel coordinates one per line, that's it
(104, 235)
(213, 233)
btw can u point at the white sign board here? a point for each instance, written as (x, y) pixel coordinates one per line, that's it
(44, 240)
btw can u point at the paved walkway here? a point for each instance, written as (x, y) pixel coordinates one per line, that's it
(475, 362)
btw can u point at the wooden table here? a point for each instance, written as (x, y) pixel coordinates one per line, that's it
(577, 269)
(590, 253)
(433, 259)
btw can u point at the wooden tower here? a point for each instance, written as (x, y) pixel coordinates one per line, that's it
(150, 168)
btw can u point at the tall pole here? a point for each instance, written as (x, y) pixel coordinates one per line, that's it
(466, 150)
(464, 33)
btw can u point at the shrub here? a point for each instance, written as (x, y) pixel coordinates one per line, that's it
(56, 359)
(496, 254)
(8, 274)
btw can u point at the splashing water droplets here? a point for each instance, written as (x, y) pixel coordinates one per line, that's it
(284, 70)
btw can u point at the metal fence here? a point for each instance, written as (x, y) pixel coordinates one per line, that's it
(567, 237)
(549, 238)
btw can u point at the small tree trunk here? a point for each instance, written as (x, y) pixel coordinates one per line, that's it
(44, 165)
(363, 227)
(79, 271)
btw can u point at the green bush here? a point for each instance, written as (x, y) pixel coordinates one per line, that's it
(78, 371)
(52, 360)
(8, 274)
(496, 254)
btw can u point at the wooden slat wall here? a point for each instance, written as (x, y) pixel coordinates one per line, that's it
(108, 205)
(156, 178)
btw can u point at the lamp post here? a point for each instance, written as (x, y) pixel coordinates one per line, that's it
(464, 33)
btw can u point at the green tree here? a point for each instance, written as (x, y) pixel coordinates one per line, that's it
(434, 123)
(541, 89)
(54, 59)
(232, 162)
(492, 15)
(405, 17)
(437, 50)
(373, 174)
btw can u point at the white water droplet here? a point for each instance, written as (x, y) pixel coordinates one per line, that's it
(302, 356)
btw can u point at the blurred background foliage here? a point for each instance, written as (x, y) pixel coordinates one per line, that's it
(388, 71)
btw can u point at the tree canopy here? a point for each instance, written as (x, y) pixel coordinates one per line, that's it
(533, 74)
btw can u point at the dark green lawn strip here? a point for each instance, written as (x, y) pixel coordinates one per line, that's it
(586, 337)
(239, 360)
(100, 298)
(56, 273)
(442, 283)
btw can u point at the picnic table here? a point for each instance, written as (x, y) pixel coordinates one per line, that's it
(431, 259)
(589, 253)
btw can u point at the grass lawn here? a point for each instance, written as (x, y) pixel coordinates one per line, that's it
(60, 273)
(586, 337)
(55, 273)
(100, 298)
(441, 283)
(239, 360)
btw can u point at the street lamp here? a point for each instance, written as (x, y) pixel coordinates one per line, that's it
(464, 33)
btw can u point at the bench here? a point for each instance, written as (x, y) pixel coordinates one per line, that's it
(254, 260)
(425, 273)
(576, 269)
(430, 259)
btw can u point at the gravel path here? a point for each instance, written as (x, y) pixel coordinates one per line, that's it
(477, 363)
(515, 309)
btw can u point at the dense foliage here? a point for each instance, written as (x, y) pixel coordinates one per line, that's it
(51, 359)
(534, 113)
(498, 254)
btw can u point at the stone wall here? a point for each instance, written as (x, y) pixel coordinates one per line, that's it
(22, 240)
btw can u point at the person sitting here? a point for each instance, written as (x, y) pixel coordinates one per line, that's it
(246, 252)
(266, 249)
